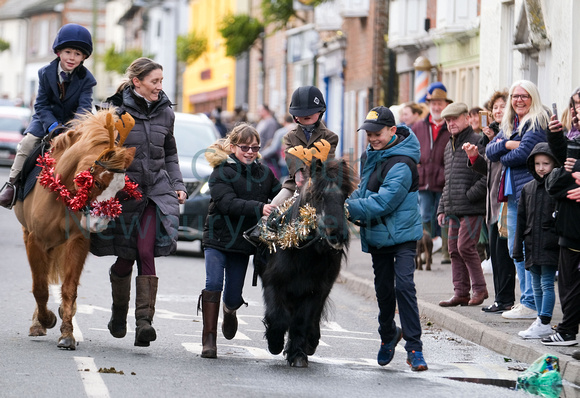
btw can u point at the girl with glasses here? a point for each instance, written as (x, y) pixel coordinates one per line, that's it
(240, 187)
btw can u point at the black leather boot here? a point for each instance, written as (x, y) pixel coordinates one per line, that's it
(120, 289)
(230, 323)
(7, 194)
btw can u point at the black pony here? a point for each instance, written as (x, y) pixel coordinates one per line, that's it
(311, 241)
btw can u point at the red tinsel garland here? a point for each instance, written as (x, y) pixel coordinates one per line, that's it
(110, 208)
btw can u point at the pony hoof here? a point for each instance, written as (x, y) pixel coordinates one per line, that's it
(52, 320)
(68, 343)
(299, 362)
(36, 331)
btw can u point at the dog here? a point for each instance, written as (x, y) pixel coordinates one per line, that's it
(424, 245)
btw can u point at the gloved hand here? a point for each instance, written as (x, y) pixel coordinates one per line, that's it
(54, 126)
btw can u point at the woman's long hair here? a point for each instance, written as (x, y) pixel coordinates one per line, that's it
(537, 114)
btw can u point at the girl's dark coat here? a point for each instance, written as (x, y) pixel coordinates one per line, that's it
(238, 194)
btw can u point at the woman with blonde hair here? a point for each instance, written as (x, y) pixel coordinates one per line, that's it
(524, 124)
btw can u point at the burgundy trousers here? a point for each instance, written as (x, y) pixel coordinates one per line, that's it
(465, 262)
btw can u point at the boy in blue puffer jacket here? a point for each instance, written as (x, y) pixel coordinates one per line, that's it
(385, 205)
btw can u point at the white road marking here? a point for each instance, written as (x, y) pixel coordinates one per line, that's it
(93, 383)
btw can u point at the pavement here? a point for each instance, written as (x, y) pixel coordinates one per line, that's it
(489, 330)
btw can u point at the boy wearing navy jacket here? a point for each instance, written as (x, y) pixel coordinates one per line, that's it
(65, 88)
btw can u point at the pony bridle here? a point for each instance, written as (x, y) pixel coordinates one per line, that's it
(85, 180)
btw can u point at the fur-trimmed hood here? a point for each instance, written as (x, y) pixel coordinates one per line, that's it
(217, 153)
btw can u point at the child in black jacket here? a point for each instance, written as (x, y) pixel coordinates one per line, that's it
(537, 230)
(559, 184)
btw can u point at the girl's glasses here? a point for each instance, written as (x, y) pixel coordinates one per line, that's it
(246, 148)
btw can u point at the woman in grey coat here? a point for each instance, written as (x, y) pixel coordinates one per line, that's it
(147, 228)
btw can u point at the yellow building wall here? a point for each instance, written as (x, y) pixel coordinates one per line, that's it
(205, 19)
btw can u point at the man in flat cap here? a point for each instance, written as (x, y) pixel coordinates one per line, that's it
(433, 136)
(462, 208)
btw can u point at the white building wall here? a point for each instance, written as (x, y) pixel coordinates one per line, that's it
(12, 79)
(557, 71)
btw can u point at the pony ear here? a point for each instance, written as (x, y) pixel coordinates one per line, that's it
(124, 126)
(109, 125)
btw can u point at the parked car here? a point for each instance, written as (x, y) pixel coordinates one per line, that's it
(193, 134)
(13, 123)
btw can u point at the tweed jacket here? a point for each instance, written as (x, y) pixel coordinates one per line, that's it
(297, 137)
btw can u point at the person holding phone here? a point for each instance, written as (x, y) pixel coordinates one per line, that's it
(562, 186)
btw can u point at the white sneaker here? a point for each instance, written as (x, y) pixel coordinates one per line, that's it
(536, 330)
(520, 311)
(437, 242)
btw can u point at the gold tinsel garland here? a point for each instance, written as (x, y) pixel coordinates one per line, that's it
(288, 233)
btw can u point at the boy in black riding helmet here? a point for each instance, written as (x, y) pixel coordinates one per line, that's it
(65, 88)
(306, 107)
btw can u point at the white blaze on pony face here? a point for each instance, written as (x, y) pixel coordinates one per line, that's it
(116, 184)
(99, 224)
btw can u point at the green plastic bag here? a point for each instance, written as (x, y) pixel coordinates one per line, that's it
(542, 377)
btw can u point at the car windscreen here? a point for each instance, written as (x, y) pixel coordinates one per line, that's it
(10, 124)
(193, 137)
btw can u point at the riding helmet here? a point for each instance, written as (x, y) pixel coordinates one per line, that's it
(73, 36)
(306, 101)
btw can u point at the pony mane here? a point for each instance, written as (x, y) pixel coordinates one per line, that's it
(86, 139)
(324, 174)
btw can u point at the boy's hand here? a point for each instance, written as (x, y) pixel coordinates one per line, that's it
(54, 126)
(299, 178)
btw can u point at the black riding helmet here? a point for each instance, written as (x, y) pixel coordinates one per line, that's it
(76, 36)
(306, 101)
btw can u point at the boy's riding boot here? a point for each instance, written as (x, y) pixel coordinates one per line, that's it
(230, 323)
(120, 289)
(210, 307)
(7, 194)
(145, 309)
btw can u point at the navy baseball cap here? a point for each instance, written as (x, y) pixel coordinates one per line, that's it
(377, 118)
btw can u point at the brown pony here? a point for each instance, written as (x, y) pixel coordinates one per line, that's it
(56, 244)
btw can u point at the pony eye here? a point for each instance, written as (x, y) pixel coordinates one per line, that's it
(98, 185)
